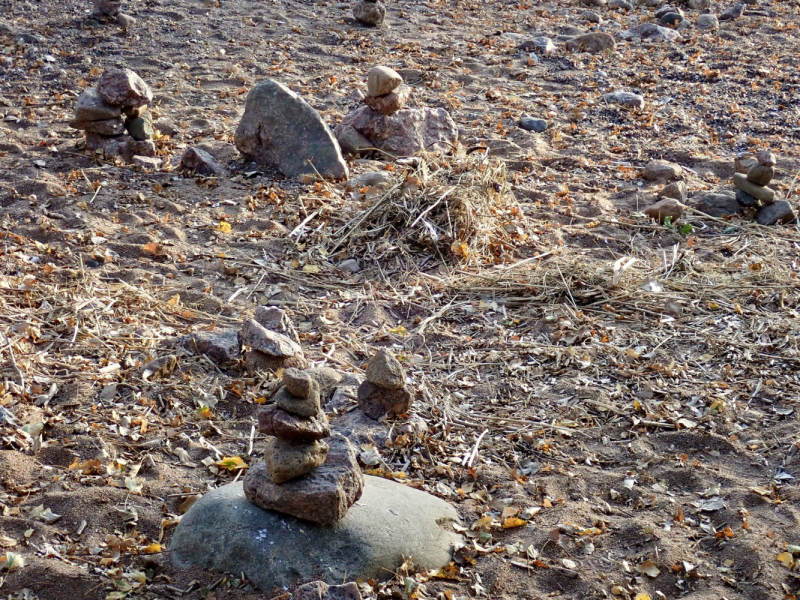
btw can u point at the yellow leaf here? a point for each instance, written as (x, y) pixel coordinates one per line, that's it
(175, 300)
(232, 463)
(513, 522)
(153, 548)
(260, 400)
(399, 330)
(786, 559)
(224, 227)
(649, 568)
(311, 269)
(642, 596)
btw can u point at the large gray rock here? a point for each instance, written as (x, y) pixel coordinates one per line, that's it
(279, 129)
(405, 132)
(225, 532)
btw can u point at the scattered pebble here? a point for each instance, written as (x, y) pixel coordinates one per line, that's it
(531, 124)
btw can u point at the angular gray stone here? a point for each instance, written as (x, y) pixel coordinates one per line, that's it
(123, 87)
(108, 127)
(326, 377)
(201, 162)
(225, 532)
(279, 129)
(744, 162)
(385, 371)
(764, 194)
(269, 342)
(543, 44)
(255, 361)
(369, 13)
(286, 426)
(286, 460)
(323, 496)
(276, 319)
(140, 129)
(531, 124)
(91, 107)
(405, 132)
(352, 142)
(625, 99)
(594, 42)
(106, 8)
(775, 213)
(719, 204)
(298, 383)
(302, 407)
(220, 345)
(745, 199)
(664, 209)
(146, 162)
(676, 189)
(707, 22)
(732, 13)
(670, 19)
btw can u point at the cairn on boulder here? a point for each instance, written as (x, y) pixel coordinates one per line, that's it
(271, 342)
(369, 12)
(387, 124)
(384, 391)
(302, 475)
(114, 116)
(752, 192)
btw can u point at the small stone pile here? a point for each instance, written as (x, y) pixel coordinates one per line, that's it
(752, 191)
(302, 475)
(111, 8)
(114, 117)
(384, 391)
(370, 12)
(271, 342)
(386, 92)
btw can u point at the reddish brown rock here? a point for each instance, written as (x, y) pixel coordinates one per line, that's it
(201, 162)
(376, 401)
(391, 102)
(323, 496)
(279, 423)
(123, 87)
(766, 158)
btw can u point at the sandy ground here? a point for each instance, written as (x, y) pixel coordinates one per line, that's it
(626, 451)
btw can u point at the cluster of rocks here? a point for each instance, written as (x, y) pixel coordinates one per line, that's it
(751, 179)
(115, 119)
(302, 475)
(111, 8)
(386, 124)
(369, 12)
(384, 392)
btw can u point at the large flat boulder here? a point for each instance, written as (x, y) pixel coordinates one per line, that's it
(280, 130)
(225, 532)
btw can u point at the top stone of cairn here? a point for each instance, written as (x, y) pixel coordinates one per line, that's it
(382, 80)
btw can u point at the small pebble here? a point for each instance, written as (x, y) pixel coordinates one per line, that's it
(531, 124)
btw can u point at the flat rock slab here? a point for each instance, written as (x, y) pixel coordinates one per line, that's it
(225, 532)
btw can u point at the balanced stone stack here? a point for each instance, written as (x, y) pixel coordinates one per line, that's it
(369, 12)
(384, 391)
(752, 191)
(302, 475)
(271, 342)
(386, 92)
(114, 117)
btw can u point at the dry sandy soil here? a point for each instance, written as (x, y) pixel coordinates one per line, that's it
(617, 450)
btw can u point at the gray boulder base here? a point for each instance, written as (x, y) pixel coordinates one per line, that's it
(225, 532)
(280, 130)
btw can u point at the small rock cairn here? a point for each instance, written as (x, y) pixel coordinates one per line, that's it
(369, 12)
(386, 92)
(302, 475)
(114, 117)
(751, 179)
(111, 8)
(384, 391)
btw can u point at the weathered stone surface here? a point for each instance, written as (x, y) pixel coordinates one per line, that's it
(676, 189)
(625, 99)
(732, 12)
(745, 199)
(302, 407)
(352, 142)
(760, 174)
(382, 80)
(405, 132)
(258, 337)
(255, 361)
(594, 42)
(279, 129)
(225, 532)
(106, 8)
(140, 129)
(385, 371)
(532, 124)
(220, 345)
(134, 111)
(670, 19)
(284, 425)
(326, 377)
(650, 31)
(91, 107)
(298, 383)
(147, 162)
(108, 127)
(369, 13)
(663, 209)
(377, 402)
(319, 590)
(766, 158)
(323, 496)
(109, 145)
(719, 204)
(541, 44)
(276, 319)
(779, 212)
(133, 148)
(744, 162)
(201, 162)
(764, 194)
(661, 169)
(286, 460)
(707, 22)
(123, 87)
(391, 102)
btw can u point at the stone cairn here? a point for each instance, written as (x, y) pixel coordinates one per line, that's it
(369, 12)
(114, 117)
(302, 475)
(111, 8)
(751, 179)
(384, 391)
